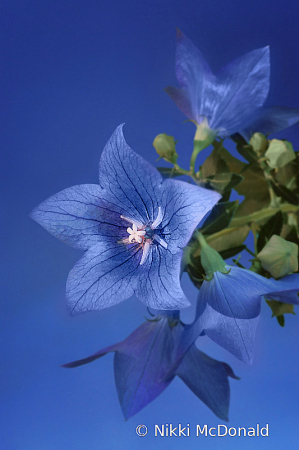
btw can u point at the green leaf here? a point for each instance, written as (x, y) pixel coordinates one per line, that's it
(229, 253)
(290, 234)
(251, 205)
(280, 308)
(280, 320)
(290, 171)
(247, 152)
(226, 239)
(226, 196)
(254, 186)
(214, 163)
(285, 193)
(220, 217)
(195, 271)
(222, 182)
(273, 226)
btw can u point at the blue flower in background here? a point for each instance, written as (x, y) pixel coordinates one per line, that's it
(229, 305)
(231, 101)
(133, 226)
(148, 360)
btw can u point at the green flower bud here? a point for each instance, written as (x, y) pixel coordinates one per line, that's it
(211, 261)
(165, 147)
(279, 153)
(259, 143)
(279, 257)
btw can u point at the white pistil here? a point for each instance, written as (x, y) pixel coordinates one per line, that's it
(160, 241)
(158, 220)
(145, 252)
(135, 234)
(138, 234)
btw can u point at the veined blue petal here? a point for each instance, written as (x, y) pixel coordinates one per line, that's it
(229, 99)
(236, 294)
(104, 276)
(228, 307)
(141, 362)
(159, 282)
(134, 227)
(182, 100)
(241, 87)
(139, 376)
(74, 215)
(93, 357)
(194, 76)
(207, 378)
(132, 185)
(184, 206)
(268, 120)
(285, 290)
(146, 362)
(235, 335)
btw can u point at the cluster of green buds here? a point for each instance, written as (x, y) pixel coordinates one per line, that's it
(278, 153)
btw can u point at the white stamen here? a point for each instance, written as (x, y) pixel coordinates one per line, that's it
(145, 252)
(160, 241)
(139, 225)
(158, 220)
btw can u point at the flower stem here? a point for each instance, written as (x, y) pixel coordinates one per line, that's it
(249, 251)
(196, 149)
(263, 214)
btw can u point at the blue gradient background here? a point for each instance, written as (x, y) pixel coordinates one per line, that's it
(72, 71)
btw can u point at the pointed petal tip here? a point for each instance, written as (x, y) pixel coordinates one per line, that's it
(31, 215)
(119, 129)
(179, 33)
(35, 214)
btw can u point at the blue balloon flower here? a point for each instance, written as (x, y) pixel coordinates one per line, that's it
(229, 305)
(148, 360)
(133, 226)
(231, 101)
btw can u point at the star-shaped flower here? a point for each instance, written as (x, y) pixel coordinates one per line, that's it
(230, 101)
(147, 361)
(133, 226)
(229, 306)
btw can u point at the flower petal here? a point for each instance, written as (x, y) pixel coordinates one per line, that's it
(228, 307)
(235, 335)
(142, 361)
(271, 120)
(103, 277)
(241, 88)
(74, 215)
(141, 364)
(132, 185)
(208, 380)
(159, 283)
(182, 100)
(236, 294)
(194, 76)
(93, 357)
(184, 206)
(286, 289)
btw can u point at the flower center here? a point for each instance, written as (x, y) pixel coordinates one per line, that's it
(144, 234)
